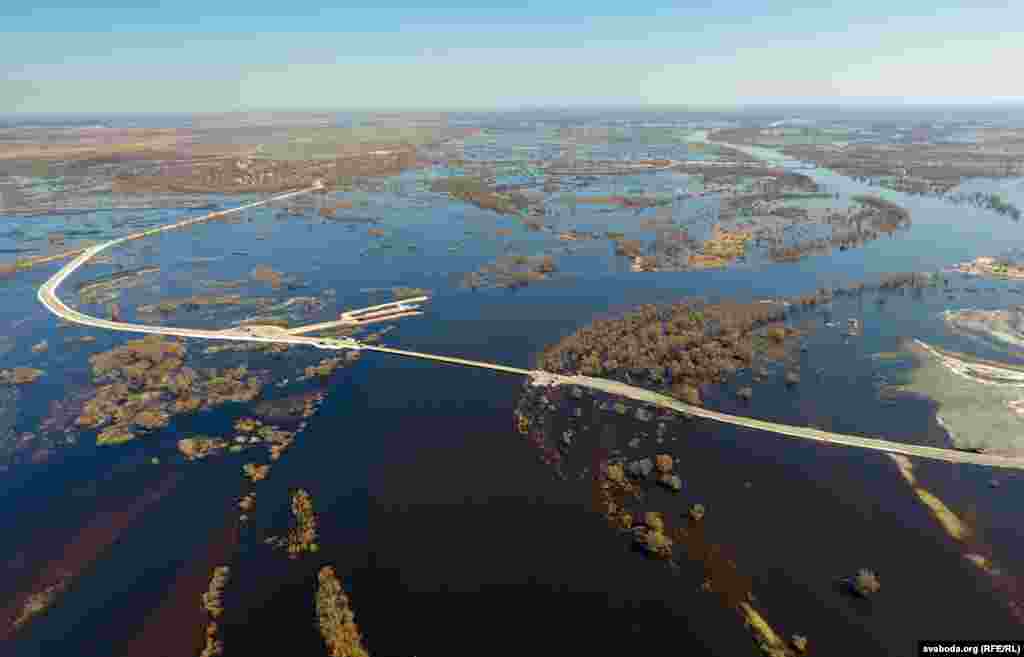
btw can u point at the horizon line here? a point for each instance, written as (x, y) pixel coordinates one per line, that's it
(993, 104)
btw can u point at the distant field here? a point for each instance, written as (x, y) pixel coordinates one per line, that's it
(330, 143)
(782, 136)
(635, 135)
(96, 144)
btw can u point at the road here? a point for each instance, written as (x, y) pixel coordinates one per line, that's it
(548, 379)
(627, 168)
(384, 312)
(449, 359)
(807, 433)
(47, 295)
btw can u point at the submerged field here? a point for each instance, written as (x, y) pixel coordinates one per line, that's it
(369, 501)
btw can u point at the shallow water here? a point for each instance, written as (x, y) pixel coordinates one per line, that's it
(446, 529)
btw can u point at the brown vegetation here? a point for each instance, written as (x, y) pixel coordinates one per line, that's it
(301, 405)
(854, 229)
(865, 583)
(620, 499)
(512, 272)
(240, 175)
(575, 235)
(886, 213)
(24, 264)
(278, 440)
(613, 493)
(93, 144)
(990, 266)
(782, 181)
(651, 537)
(399, 293)
(624, 201)
(265, 347)
(918, 168)
(721, 249)
(168, 306)
(267, 275)
(39, 602)
(20, 375)
(476, 192)
(335, 617)
(213, 598)
(256, 472)
(677, 347)
(199, 447)
(144, 382)
(327, 366)
(628, 248)
(246, 504)
(108, 288)
(213, 604)
(302, 536)
(727, 245)
(214, 646)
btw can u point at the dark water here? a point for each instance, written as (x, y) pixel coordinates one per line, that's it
(450, 535)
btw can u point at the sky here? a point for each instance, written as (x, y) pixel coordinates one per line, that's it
(192, 56)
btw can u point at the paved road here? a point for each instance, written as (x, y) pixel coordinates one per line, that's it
(542, 378)
(625, 169)
(48, 297)
(449, 359)
(384, 312)
(808, 433)
(335, 323)
(47, 294)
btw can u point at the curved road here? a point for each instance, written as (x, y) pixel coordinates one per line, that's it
(47, 294)
(48, 297)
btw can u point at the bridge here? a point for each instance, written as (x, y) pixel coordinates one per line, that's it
(47, 295)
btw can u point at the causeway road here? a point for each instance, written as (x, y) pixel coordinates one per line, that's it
(548, 379)
(807, 433)
(47, 295)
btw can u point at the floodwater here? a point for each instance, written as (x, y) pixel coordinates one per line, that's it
(450, 535)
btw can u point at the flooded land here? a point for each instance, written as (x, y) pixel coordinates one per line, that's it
(330, 436)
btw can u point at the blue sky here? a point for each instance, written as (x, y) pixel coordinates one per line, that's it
(57, 56)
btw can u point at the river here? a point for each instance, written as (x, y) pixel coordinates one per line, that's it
(450, 535)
